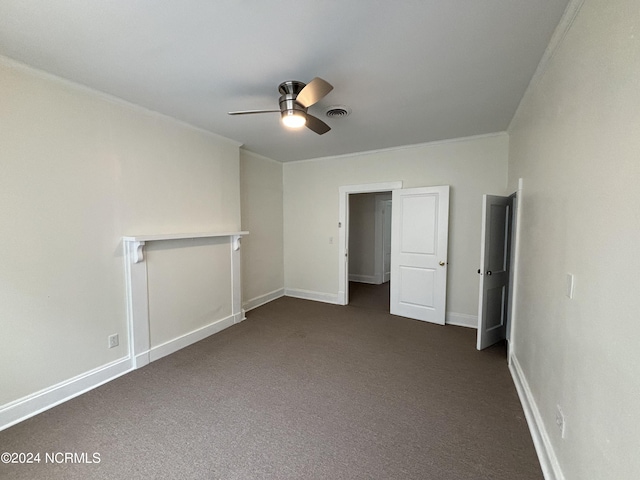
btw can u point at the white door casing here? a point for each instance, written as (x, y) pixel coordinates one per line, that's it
(383, 238)
(343, 230)
(419, 236)
(494, 270)
(386, 240)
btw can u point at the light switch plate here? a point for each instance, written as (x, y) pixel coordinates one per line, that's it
(570, 284)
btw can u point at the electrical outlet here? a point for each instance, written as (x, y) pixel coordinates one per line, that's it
(560, 421)
(113, 340)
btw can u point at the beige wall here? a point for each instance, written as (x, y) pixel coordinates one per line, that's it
(262, 249)
(576, 143)
(188, 286)
(79, 171)
(472, 166)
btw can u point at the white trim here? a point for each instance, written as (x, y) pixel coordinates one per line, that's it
(237, 312)
(343, 232)
(401, 147)
(141, 359)
(515, 270)
(563, 27)
(109, 98)
(263, 299)
(372, 279)
(377, 238)
(381, 246)
(250, 153)
(192, 337)
(380, 201)
(26, 407)
(310, 295)
(371, 187)
(136, 282)
(461, 320)
(546, 455)
(180, 236)
(137, 304)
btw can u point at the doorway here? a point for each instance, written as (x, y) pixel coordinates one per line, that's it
(369, 250)
(497, 269)
(343, 226)
(419, 239)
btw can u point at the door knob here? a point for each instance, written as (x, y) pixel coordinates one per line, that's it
(488, 272)
(442, 264)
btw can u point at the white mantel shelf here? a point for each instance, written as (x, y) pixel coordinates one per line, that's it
(138, 241)
(179, 236)
(138, 290)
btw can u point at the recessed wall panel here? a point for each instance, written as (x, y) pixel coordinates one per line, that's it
(189, 286)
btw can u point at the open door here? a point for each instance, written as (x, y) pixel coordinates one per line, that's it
(494, 270)
(419, 235)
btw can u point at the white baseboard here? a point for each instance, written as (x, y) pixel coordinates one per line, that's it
(141, 359)
(310, 295)
(187, 339)
(461, 320)
(239, 317)
(372, 279)
(546, 455)
(263, 299)
(26, 407)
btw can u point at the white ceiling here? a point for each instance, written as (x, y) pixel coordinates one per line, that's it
(412, 71)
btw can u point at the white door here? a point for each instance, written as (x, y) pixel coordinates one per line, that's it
(386, 241)
(419, 234)
(494, 270)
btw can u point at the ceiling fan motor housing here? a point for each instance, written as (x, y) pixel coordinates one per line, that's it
(288, 104)
(292, 87)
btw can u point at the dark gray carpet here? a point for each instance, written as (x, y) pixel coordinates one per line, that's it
(300, 390)
(370, 296)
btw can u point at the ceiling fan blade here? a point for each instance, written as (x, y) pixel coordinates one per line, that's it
(313, 92)
(251, 112)
(317, 125)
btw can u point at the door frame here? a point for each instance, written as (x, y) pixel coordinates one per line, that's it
(384, 205)
(514, 264)
(488, 337)
(343, 229)
(515, 267)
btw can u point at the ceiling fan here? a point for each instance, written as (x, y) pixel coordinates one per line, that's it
(296, 97)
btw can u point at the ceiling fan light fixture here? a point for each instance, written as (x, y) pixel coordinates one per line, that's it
(296, 98)
(293, 119)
